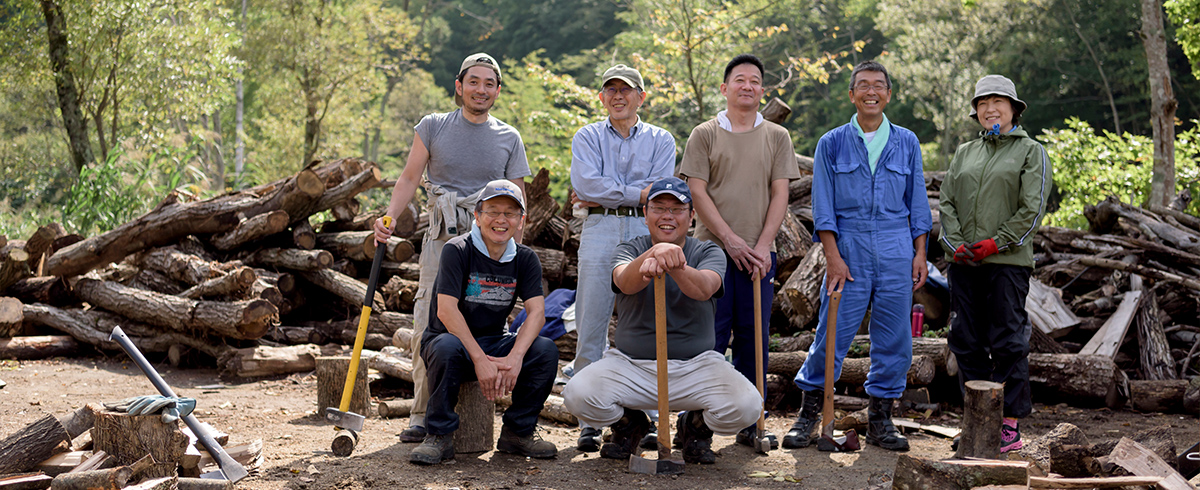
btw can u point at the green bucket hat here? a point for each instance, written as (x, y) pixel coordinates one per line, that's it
(996, 85)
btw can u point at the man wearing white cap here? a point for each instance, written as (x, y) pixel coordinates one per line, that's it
(454, 154)
(480, 277)
(613, 164)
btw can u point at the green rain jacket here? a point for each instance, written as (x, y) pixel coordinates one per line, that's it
(996, 188)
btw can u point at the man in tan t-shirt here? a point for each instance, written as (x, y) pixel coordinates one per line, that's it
(738, 167)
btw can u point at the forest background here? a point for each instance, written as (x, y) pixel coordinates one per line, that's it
(108, 105)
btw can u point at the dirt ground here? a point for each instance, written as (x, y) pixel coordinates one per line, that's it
(282, 412)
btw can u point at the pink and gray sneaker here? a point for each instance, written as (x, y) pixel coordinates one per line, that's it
(1010, 436)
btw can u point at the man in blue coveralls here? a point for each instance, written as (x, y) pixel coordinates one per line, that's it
(871, 217)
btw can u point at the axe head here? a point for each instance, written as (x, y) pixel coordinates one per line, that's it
(670, 466)
(346, 420)
(763, 443)
(848, 441)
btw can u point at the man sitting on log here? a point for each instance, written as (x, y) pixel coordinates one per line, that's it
(614, 390)
(480, 276)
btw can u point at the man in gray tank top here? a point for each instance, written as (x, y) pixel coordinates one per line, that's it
(454, 155)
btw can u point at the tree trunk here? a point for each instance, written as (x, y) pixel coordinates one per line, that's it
(64, 84)
(1162, 103)
(983, 409)
(263, 360)
(251, 229)
(130, 437)
(331, 382)
(95, 326)
(240, 320)
(11, 317)
(1087, 377)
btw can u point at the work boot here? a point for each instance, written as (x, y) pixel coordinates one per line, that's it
(589, 440)
(627, 433)
(801, 433)
(650, 441)
(415, 433)
(532, 445)
(746, 437)
(433, 449)
(696, 438)
(880, 430)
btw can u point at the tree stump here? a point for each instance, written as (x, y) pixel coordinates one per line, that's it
(331, 381)
(476, 420)
(983, 410)
(130, 437)
(11, 317)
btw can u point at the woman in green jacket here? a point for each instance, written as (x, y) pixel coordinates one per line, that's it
(992, 203)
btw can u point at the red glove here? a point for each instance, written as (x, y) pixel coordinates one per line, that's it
(963, 255)
(984, 248)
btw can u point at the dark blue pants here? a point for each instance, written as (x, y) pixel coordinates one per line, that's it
(735, 318)
(989, 332)
(448, 365)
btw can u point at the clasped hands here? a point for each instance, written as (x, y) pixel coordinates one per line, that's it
(497, 376)
(974, 254)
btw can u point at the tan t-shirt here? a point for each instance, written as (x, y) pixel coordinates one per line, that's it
(739, 168)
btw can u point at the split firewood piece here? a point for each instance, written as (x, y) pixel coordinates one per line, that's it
(251, 229)
(914, 473)
(1038, 450)
(1139, 461)
(347, 288)
(49, 435)
(180, 266)
(37, 347)
(97, 461)
(95, 326)
(249, 454)
(290, 258)
(234, 282)
(25, 481)
(238, 319)
(62, 462)
(40, 244)
(1108, 339)
(163, 483)
(101, 479)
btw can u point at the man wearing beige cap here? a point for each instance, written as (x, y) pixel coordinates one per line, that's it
(454, 155)
(613, 163)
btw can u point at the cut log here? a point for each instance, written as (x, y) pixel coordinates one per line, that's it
(183, 267)
(37, 347)
(553, 263)
(854, 370)
(1072, 461)
(345, 287)
(1108, 339)
(552, 410)
(238, 319)
(23, 450)
(1157, 395)
(95, 326)
(107, 479)
(251, 229)
(983, 410)
(392, 362)
(539, 205)
(202, 484)
(296, 335)
(801, 293)
(800, 190)
(776, 111)
(1093, 482)
(39, 245)
(51, 290)
(10, 317)
(352, 245)
(253, 362)
(409, 271)
(476, 420)
(1079, 376)
(263, 289)
(97, 461)
(919, 474)
(14, 266)
(163, 483)
(152, 280)
(232, 283)
(1141, 270)
(385, 322)
(1140, 461)
(303, 235)
(393, 409)
(1191, 395)
(130, 437)
(346, 210)
(1155, 361)
(792, 243)
(1038, 450)
(331, 382)
(351, 187)
(25, 481)
(399, 294)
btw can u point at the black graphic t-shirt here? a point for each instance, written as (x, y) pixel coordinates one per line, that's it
(486, 289)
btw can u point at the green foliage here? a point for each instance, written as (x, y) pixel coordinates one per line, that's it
(547, 108)
(1185, 14)
(119, 189)
(1089, 167)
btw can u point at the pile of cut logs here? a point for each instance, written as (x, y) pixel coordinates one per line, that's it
(94, 448)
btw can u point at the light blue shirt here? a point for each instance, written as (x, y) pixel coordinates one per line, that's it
(510, 248)
(612, 171)
(874, 145)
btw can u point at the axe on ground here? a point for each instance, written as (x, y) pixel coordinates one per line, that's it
(230, 470)
(665, 464)
(849, 440)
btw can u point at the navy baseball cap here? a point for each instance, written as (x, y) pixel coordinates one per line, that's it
(503, 188)
(673, 186)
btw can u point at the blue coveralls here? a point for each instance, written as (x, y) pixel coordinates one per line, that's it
(876, 217)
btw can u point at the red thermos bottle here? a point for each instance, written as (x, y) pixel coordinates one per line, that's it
(918, 320)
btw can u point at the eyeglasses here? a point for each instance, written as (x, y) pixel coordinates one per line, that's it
(611, 91)
(507, 214)
(866, 87)
(664, 210)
